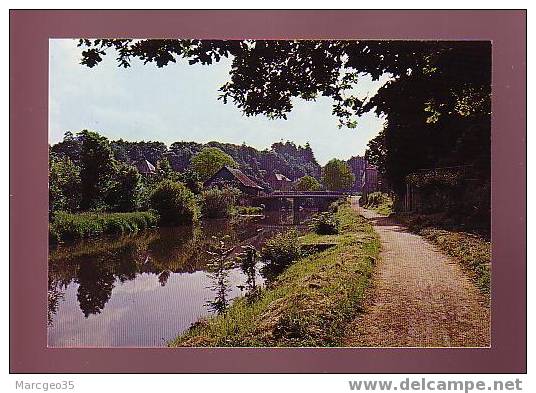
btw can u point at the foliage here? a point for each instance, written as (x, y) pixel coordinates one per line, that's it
(325, 223)
(175, 203)
(283, 157)
(64, 184)
(218, 203)
(436, 101)
(219, 267)
(131, 152)
(125, 192)
(450, 177)
(97, 168)
(164, 171)
(68, 227)
(378, 201)
(458, 191)
(249, 210)
(337, 176)
(281, 250)
(209, 161)
(310, 304)
(191, 180)
(307, 183)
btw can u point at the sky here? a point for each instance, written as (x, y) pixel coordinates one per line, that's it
(179, 103)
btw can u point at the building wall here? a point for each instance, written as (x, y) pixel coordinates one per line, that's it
(278, 185)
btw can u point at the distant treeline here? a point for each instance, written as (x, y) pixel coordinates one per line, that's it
(294, 161)
(89, 173)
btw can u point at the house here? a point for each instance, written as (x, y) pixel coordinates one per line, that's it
(279, 182)
(145, 167)
(235, 178)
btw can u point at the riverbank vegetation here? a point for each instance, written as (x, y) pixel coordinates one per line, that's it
(310, 302)
(68, 227)
(219, 203)
(380, 202)
(92, 176)
(175, 203)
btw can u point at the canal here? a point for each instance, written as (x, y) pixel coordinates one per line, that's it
(144, 289)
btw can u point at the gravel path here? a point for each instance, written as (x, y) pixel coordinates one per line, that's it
(419, 297)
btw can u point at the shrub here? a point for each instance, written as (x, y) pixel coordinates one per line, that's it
(174, 203)
(218, 203)
(282, 249)
(125, 192)
(247, 210)
(378, 201)
(326, 224)
(68, 227)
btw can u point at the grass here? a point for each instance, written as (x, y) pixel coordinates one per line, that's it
(309, 304)
(472, 250)
(69, 227)
(380, 202)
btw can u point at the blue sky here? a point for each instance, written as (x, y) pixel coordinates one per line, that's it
(179, 103)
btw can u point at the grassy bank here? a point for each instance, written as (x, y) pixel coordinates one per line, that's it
(379, 202)
(309, 304)
(473, 251)
(68, 227)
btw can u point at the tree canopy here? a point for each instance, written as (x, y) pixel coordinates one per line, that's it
(437, 100)
(210, 160)
(337, 176)
(307, 183)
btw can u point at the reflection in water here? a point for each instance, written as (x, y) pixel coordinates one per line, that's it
(219, 267)
(144, 289)
(248, 264)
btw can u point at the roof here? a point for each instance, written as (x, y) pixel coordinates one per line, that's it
(281, 177)
(240, 176)
(145, 166)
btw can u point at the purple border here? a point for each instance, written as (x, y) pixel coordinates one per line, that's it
(29, 34)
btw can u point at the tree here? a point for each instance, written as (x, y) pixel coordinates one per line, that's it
(97, 168)
(63, 185)
(164, 171)
(174, 203)
(337, 176)
(437, 102)
(125, 192)
(307, 183)
(209, 161)
(191, 180)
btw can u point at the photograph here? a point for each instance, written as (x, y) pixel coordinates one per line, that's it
(269, 193)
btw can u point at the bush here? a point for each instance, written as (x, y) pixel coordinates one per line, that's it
(68, 227)
(378, 201)
(125, 192)
(249, 210)
(218, 203)
(326, 224)
(282, 249)
(174, 203)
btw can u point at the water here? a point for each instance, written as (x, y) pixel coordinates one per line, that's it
(144, 289)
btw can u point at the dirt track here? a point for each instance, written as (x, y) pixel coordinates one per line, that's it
(419, 297)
